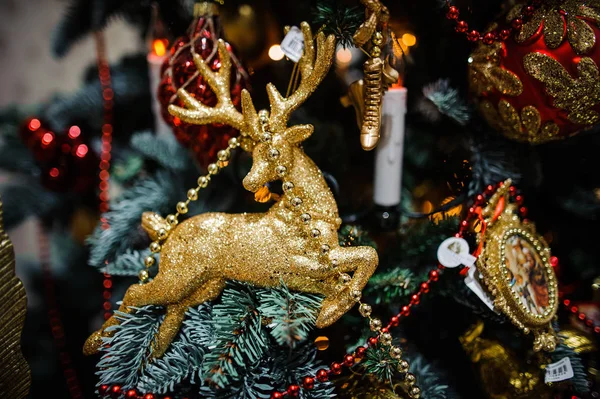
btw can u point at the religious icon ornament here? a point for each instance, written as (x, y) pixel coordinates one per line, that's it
(515, 265)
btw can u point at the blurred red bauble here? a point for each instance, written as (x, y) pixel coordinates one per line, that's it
(179, 71)
(542, 83)
(65, 160)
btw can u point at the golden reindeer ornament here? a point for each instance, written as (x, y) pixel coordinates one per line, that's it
(294, 242)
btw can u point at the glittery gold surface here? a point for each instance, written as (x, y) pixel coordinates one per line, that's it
(295, 242)
(376, 15)
(369, 133)
(486, 74)
(560, 19)
(15, 375)
(575, 95)
(492, 265)
(525, 127)
(504, 374)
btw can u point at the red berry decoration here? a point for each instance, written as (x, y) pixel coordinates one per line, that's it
(308, 383)
(336, 368)
(348, 360)
(103, 389)
(65, 160)
(179, 71)
(115, 391)
(293, 391)
(322, 375)
(149, 396)
(542, 83)
(276, 395)
(131, 394)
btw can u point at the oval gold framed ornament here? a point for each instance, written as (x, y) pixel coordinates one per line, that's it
(515, 265)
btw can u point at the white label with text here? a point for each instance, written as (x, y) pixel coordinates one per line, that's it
(293, 44)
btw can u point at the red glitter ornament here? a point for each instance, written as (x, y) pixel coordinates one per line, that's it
(179, 71)
(542, 83)
(322, 375)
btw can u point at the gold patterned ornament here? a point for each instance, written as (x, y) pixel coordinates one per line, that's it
(514, 263)
(542, 84)
(295, 241)
(504, 375)
(15, 376)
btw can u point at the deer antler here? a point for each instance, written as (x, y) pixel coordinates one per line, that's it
(313, 69)
(224, 112)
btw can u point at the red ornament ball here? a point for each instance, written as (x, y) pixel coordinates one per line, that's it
(276, 395)
(293, 391)
(131, 394)
(322, 375)
(179, 71)
(543, 82)
(336, 368)
(66, 162)
(308, 383)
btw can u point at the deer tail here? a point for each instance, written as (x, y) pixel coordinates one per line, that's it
(152, 222)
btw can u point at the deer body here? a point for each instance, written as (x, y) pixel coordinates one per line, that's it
(294, 242)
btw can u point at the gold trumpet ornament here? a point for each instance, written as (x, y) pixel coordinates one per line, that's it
(294, 242)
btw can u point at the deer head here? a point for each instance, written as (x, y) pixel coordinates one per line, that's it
(274, 141)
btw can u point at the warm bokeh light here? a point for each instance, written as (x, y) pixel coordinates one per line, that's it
(245, 10)
(82, 150)
(74, 132)
(34, 124)
(343, 56)
(47, 138)
(275, 52)
(159, 46)
(409, 39)
(54, 172)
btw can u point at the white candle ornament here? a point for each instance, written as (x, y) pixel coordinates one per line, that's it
(390, 150)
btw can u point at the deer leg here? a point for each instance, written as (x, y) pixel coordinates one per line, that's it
(157, 292)
(363, 261)
(176, 313)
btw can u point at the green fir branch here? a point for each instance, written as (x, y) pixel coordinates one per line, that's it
(292, 315)
(166, 151)
(393, 286)
(379, 363)
(183, 360)
(440, 99)
(352, 236)
(130, 263)
(339, 20)
(239, 341)
(124, 217)
(128, 350)
(579, 379)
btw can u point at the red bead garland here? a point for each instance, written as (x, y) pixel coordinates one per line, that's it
(56, 325)
(498, 35)
(567, 303)
(105, 156)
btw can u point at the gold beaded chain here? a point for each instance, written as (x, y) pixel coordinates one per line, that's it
(182, 207)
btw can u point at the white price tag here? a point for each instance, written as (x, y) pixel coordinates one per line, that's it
(454, 251)
(559, 371)
(293, 44)
(473, 283)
